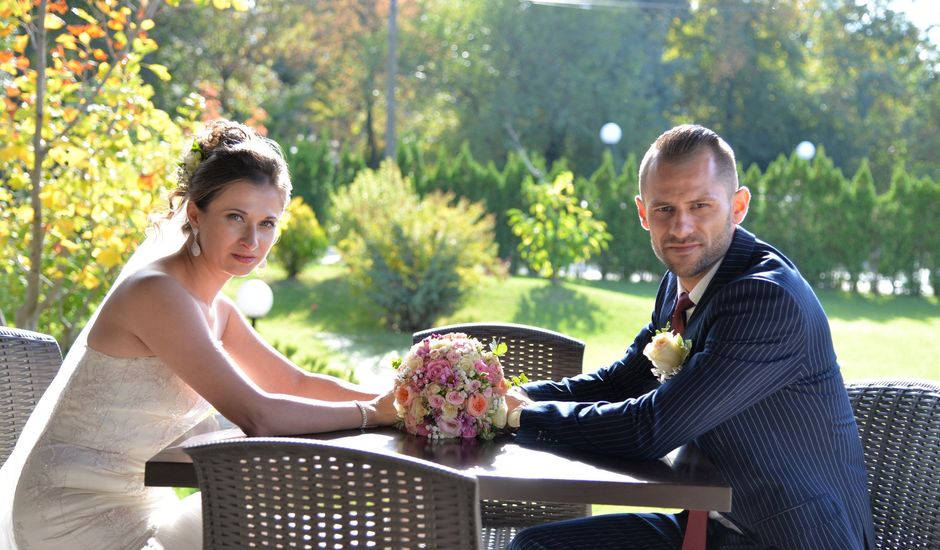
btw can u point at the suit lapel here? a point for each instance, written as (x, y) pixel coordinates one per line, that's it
(736, 261)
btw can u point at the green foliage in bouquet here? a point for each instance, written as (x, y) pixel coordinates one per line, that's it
(558, 231)
(301, 240)
(415, 258)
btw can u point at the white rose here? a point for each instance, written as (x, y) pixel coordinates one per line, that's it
(499, 418)
(667, 352)
(449, 412)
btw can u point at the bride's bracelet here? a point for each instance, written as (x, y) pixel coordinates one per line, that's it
(364, 414)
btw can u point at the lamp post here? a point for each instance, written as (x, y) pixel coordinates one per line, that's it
(805, 150)
(254, 299)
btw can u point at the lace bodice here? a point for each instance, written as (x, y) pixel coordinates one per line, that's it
(85, 474)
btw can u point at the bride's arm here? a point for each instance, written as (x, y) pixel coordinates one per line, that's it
(274, 372)
(169, 322)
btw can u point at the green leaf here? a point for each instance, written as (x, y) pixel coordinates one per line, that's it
(85, 16)
(160, 71)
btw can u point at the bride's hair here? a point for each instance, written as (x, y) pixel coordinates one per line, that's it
(223, 153)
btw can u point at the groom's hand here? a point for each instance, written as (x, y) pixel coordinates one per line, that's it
(516, 400)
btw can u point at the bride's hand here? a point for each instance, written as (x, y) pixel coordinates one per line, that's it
(382, 410)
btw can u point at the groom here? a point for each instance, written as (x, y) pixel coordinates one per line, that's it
(761, 393)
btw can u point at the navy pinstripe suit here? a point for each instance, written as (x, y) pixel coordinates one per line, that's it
(761, 394)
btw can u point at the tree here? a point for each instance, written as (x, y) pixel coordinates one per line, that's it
(739, 71)
(85, 153)
(860, 234)
(310, 69)
(557, 232)
(520, 76)
(900, 233)
(871, 79)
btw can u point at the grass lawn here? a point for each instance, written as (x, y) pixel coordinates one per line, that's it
(874, 336)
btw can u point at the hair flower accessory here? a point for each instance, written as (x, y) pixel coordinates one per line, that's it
(190, 161)
(668, 352)
(451, 385)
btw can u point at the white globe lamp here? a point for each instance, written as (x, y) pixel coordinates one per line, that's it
(806, 150)
(254, 298)
(611, 133)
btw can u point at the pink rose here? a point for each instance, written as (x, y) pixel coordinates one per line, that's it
(455, 398)
(449, 426)
(435, 401)
(476, 405)
(404, 394)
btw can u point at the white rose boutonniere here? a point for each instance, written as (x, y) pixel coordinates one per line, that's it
(667, 352)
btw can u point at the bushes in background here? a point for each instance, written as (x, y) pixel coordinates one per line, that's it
(838, 229)
(414, 257)
(557, 231)
(301, 238)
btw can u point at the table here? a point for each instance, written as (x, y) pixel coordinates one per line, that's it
(506, 470)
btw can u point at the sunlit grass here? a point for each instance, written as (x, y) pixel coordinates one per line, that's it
(874, 336)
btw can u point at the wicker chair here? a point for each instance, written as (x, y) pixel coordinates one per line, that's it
(28, 363)
(301, 493)
(899, 423)
(542, 355)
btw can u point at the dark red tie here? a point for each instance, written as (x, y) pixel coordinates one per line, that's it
(697, 524)
(678, 314)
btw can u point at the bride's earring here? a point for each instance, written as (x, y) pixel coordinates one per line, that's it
(194, 247)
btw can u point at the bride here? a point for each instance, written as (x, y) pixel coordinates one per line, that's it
(164, 348)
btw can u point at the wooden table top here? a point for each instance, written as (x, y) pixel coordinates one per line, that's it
(506, 470)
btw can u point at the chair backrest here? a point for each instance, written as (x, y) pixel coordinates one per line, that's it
(301, 493)
(541, 354)
(899, 423)
(28, 363)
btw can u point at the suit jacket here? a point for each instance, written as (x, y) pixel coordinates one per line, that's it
(761, 394)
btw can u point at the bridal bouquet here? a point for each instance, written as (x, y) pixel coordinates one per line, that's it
(450, 385)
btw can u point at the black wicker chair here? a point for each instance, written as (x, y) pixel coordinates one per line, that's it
(301, 493)
(542, 355)
(28, 363)
(899, 423)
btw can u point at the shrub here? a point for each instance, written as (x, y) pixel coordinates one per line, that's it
(558, 231)
(415, 258)
(302, 240)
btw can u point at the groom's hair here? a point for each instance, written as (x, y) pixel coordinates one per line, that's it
(229, 152)
(681, 143)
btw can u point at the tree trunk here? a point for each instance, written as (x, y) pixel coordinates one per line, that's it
(27, 316)
(390, 139)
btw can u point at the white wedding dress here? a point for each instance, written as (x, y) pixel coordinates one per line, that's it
(82, 486)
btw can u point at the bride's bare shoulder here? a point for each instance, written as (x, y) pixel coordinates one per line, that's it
(150, 299)
(149, 287)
